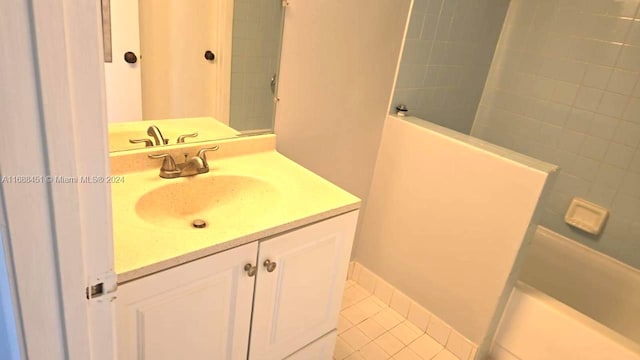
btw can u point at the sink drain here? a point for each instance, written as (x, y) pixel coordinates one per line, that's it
(199, 224)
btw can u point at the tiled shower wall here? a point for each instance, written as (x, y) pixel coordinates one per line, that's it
(447, 55)
(564, 88)
(257, 29)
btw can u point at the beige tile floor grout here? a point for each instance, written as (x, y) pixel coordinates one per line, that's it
(370, 330)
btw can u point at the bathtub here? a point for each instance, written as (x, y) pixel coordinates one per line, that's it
(571, 302)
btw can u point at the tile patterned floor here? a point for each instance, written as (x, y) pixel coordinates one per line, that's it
(371, 330)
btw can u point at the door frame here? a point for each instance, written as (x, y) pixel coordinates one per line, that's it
(54, 123)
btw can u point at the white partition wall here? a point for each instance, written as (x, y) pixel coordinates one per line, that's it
(446, 220)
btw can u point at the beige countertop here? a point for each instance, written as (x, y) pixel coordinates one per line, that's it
(293, 197)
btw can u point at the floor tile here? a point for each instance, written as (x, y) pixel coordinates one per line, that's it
(372, 351)
(355, 356)
(406, 332)
(378, 301)
(353, 295)
(356, 291)
(371, 328)
(370, 306)
(342, 350)
(344, 324)
(426, 347)
(354, 314)
(389, 343)
(388, 318)
(355, 338)
(406, 354)
(445, 355)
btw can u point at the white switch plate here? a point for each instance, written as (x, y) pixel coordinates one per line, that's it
(586, 216)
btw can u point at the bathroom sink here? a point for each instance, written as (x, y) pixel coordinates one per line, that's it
(216, 200)
(251, 192)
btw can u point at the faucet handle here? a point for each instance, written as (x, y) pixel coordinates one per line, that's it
(147, 142)
(202, 154)
(168, 164)
(182, 137)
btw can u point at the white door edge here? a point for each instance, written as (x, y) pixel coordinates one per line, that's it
(54, 123)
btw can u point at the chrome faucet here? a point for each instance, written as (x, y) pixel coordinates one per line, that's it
(155, 133)
(191, 166)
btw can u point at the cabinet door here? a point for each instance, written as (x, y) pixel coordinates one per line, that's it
(299, 300)
(198, 310)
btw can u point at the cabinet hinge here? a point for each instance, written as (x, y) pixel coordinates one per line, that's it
(102, 285)
(285, 3)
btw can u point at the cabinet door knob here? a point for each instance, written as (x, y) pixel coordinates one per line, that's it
(270, 265)
(209, 55)
(250, 269)
(130, 57)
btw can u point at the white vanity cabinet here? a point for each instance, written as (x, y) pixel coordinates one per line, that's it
(299, 301)
(198, 310)
(203, 309)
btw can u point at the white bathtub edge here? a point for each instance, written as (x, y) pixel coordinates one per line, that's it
(537, 326)
(593, 283)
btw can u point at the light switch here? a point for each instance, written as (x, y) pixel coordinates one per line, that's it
(586, 216)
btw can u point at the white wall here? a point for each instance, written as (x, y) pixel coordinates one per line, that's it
(337, 69)
(446, 219)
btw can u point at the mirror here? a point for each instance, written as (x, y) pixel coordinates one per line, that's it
(190, 66)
